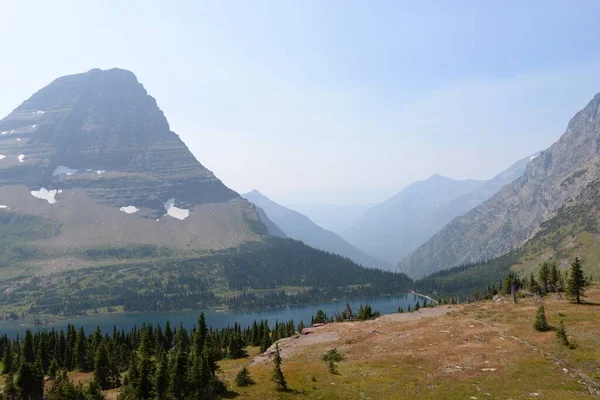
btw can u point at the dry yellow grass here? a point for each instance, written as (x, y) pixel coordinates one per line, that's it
(484, 351)
(478, 351)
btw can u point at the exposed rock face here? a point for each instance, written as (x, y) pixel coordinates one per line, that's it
(298, 226)
(513, 215)
(101, 139)
(399, 225)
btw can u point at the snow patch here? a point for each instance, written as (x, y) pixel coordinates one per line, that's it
(3, 206)
(34, 126)
(19, 139)
(40, 112)
(13, 131)
(88, 170)
(62, 170)
(100, 172)
(2, 156)
(129, 209)
(21, 157)
(532, 158)
(175, 212)
(3, 133)
(45, 194)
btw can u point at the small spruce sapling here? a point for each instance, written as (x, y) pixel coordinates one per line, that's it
(541, 324)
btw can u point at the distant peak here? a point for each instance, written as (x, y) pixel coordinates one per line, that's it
(438, 177)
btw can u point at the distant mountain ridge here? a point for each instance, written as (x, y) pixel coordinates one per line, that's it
(298, 226)
(554, 179)
(401, 224)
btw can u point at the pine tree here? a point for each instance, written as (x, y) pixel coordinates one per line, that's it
(554, 277)
(278, 378)
(161, 379)
(53, 369)
(7, 359)
(236, 347)
(27, 352)
(30, 382)
(561, 334)
(102, 368)
(541, 324)
(177, 379)
(10, 390)
(544, 277)
(266, 341)
(80, 351)
(243, 378)
(576, 282)
(143, 385)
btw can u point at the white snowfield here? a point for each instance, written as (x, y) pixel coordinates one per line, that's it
(40, 112)
(21, 157)
(62, 170)
(175, 212)
(45, 194)
(2, 156)
(3, 206)
(129, 209)
(100, 172)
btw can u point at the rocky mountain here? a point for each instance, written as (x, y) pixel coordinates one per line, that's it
(401, 224)
(93, 154)
(556, 178)
(298, 226)
(103, 208)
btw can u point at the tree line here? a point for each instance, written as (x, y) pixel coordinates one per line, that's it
(150, 362)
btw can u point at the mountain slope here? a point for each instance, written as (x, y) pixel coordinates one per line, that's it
(103, 208)
(94, 153)
(300, 227)
(512, 216)
(401, 224)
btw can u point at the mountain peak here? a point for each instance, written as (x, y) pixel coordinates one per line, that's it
(99, 137)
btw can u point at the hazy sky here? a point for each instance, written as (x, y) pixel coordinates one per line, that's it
(327, 101)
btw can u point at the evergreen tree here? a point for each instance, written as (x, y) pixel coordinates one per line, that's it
(534, 287)
(236, 347)
(243, 378)
(53, 369)
(544, 275)
(80, 351)
(266, 341)
(177, 378)
(7, 359)
(143, 385)
(561, 334)
(30, 382)
(10, 390)
(541, 324)
(576, 282)
(554, 277)
(278, 378)
(27, 351)
(161, 379)
(102, 368)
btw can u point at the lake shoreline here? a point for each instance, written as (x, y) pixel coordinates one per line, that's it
(216, 318)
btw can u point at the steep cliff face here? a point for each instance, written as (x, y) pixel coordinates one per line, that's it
(94, 153)
(513, 215)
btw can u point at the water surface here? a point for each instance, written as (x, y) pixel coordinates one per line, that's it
(215, 319)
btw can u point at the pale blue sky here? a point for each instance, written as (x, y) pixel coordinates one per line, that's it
(327, 101)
